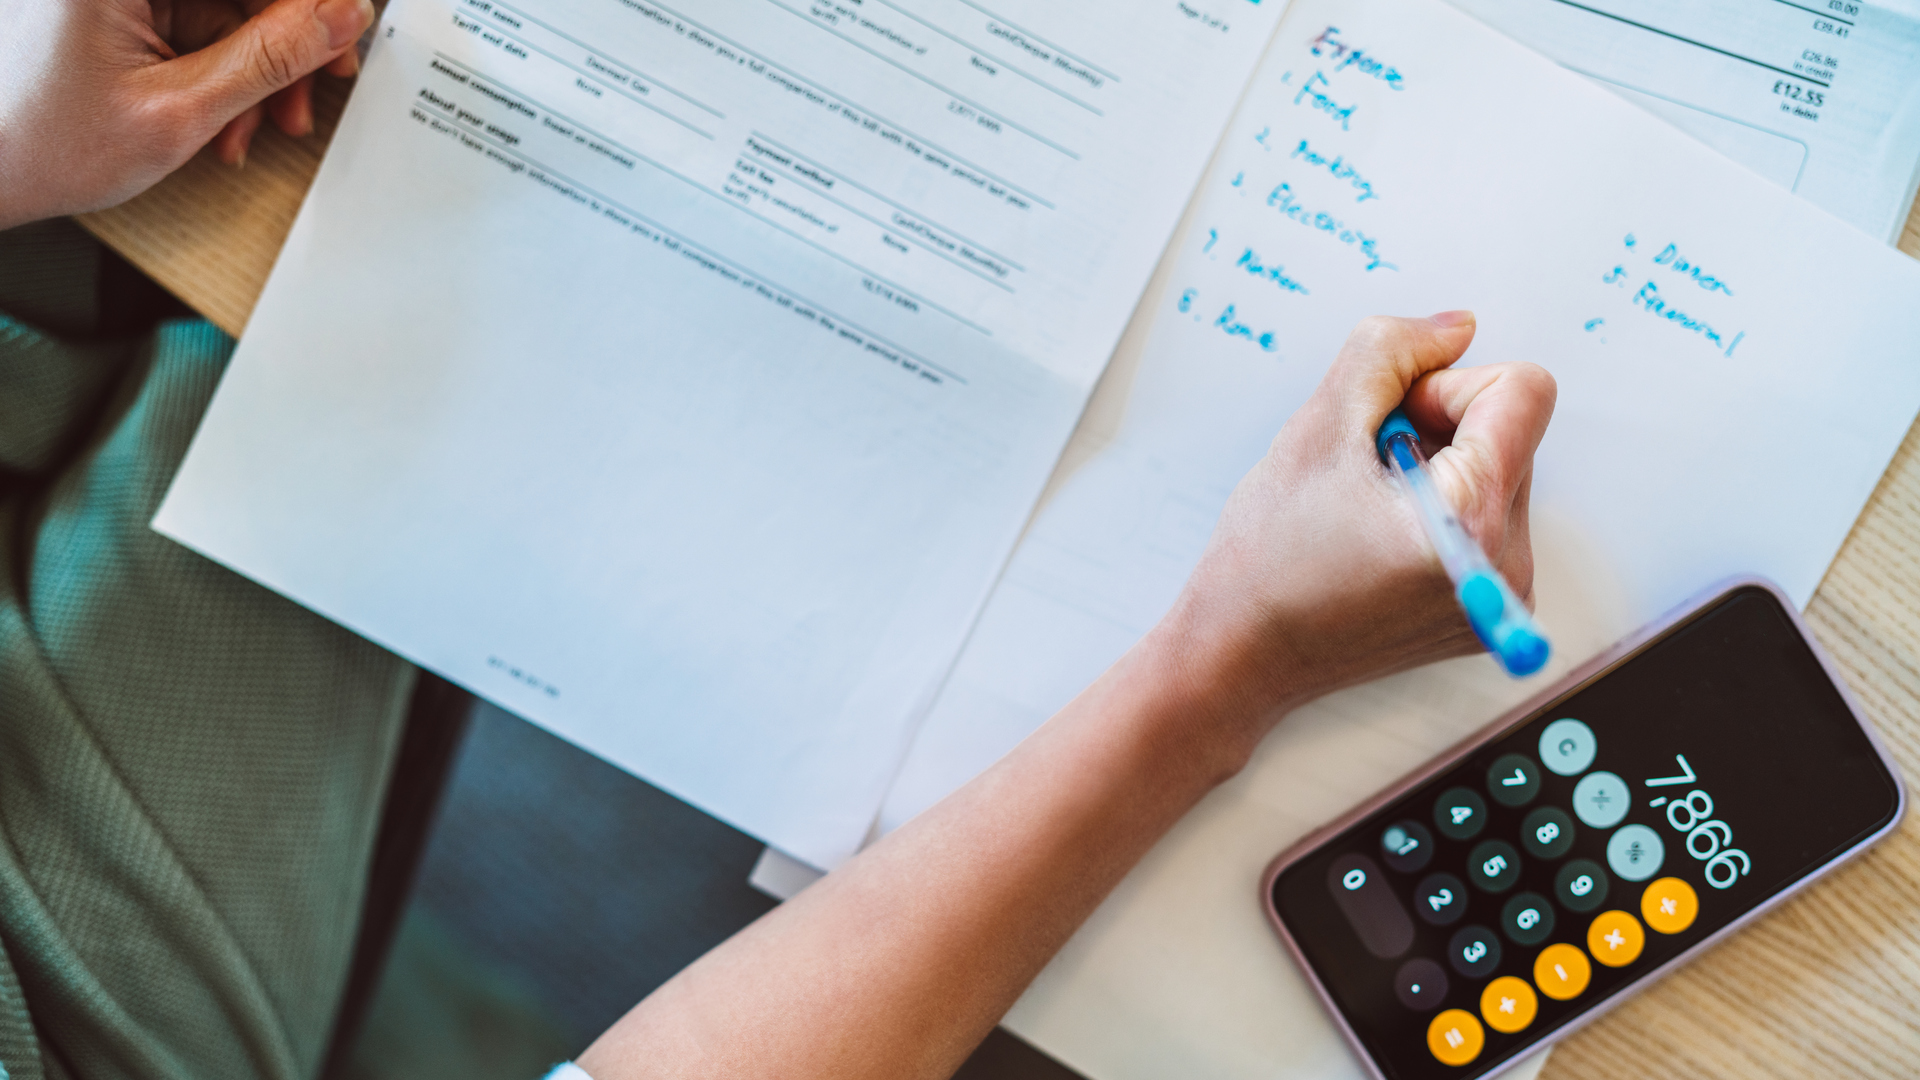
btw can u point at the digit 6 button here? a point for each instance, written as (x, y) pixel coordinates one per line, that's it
(1527, 919)
(1493, 865)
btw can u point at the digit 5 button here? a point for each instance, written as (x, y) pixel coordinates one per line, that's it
(1615, 938)
(1494, 865)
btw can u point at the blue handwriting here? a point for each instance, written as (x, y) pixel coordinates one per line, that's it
(1324, 103)
(1250, 262)
(1283, 199)
(1338, 166)
(1352, 56)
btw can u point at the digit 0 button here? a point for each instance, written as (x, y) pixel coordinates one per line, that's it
(1561, 972)
(1455, 1037)
(1615, 938)
(1508, 1004)
(1361, 892)
(1669, 905)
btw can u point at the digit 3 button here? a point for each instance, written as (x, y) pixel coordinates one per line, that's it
(1460, 814)
(1406, 846)
(1581, 885)
(1493, 865)
(1455, 1037)
(1508, 1004)
(1547, 833)
(1513, 780)
(1615, 938)
(1669, 905)
(1440, 899)
(1561, 972)
(1474, 952)
(1527, 919)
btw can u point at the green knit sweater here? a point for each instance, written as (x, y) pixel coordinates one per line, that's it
(191, 767)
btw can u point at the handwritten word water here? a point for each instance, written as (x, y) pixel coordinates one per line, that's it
(1350, 56)
(1287, 202)
(1230, 324)
(1316, 99)
(1251, 263)
(1338, 166)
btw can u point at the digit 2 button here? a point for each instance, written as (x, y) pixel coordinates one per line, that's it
(1460, 814)
(1440, 900)
(1513, 780)
(1494, 865)
(1474, 952)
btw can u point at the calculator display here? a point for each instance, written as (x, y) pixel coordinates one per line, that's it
(1558, 864)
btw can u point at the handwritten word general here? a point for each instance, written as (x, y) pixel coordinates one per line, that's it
(1284, 199)
(1353, 57)
(1338, 166)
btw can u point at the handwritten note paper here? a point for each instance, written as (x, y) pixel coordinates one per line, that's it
(1722, 410)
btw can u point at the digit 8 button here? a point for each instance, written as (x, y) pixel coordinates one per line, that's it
(1615, 938)
(1455, 1037)
(1547, 833)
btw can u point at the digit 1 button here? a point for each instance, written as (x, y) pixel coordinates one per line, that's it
(1460, 814)
(1561, 972)
(1527, 919)
(1420, 984)
(1440, 900)
(1669, 905)
(1601, 799)
(1407, 846)
(1493, 865)
(1508, 1004)
(1513, 780)
(1567, 747)
(1615, 938)
(1455, 1037)
(1474, 952)
(1581, 885)
(1547, 833)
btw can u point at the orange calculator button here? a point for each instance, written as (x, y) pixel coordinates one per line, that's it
(1615, 938)
(1455, 1037)
(1508, 1004)
(1562, 972)
(1669, 905)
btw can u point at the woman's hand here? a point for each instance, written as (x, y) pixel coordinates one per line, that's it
(1318, 575)
(99, 99)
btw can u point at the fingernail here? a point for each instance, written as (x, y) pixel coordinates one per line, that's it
(1451, 318)
(240, 159)
(345, 20)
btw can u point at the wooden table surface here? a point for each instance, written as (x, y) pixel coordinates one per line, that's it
(1828, 985)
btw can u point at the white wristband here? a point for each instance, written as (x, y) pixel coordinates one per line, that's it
(568, 1071)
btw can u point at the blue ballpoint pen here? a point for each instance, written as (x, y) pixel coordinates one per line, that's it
(1503, 623)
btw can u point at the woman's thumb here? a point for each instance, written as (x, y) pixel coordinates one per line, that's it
(269, 52)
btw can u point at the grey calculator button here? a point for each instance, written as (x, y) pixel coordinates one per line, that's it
(1527, 919)
(1440, 899)
(1513, 780)
(1361, 892)
(1460, 814)
(1493, 865)
(1474, 952)
(1547, 833)
(1635, 852)
(1567, 747)
(1420, 984)
(1581, 885)
(1601, 799)
(1407, 846)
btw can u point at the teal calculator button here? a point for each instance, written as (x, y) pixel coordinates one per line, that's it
(1567, 747)
(1601, 800)
(1635, 852)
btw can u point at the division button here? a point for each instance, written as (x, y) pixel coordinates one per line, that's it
(1601, 799)
(1567, 747)
(1420, 984)
(1474, 952)
(1455, 1037)
(1460, 814)
(1407, 846)
(1615, 938)
(1562, 972)
(1493, 865)
(1635, 852)
(1669, 905)
(1547, 833)
(1513, 780)
(1508, 1004)
(1361, 892)
(1581, 885)
(1527, 919)
(1440, 899)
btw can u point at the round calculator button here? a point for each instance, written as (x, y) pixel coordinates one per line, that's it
(1513, 780)
(1547, 833)
(1474, 952)
(1581, 885)
(1567, 747)
(1508, 1004)
(1455, 1037)
(1562, 972)
(1635, 852)
(1460, 814)
(1601, 799)
(1493, 865)
(1527, 919)
(1406, 846)
(1615, 938)
(1669, 905)
(1440, 900)
(1420, 984)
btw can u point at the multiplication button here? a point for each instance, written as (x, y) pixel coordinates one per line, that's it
(1669, 905)
(1460, 814)
(1615, 938)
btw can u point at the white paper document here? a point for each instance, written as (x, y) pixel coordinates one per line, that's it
(1820, 96)
(679, 377)
(1721, 411)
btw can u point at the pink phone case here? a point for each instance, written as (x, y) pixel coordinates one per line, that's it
(1586, 673)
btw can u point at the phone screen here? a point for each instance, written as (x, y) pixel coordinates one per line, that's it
(1604, 835)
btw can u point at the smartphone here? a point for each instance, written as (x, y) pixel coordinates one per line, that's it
(1586, 843)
